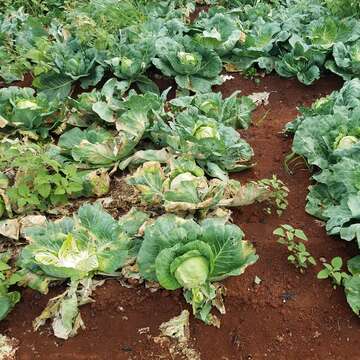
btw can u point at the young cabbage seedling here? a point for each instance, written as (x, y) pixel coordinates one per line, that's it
(299, 256)
(333, 271)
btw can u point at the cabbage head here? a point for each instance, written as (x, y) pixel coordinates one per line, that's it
(21, 108)
(195, 68)
(217, 148)
(76, 249)
(180, 253)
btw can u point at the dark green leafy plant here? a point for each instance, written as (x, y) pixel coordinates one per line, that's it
(344, 8)
(68, 62)
(352, 284)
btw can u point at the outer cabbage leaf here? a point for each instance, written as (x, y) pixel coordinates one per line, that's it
(352, 284)
(8, 299)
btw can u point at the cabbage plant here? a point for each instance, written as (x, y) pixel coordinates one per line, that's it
(181, 254)
(234, 111)
(303, 61)
(346, 61)
(22, 109)
(76, 249)
(97, 105)
(335, 198)
(343, 102)
(130, 61)
(194, 67)
(324, 139)
(217, 148)
(68, 62)
(255, 47)
(96, 146)
(181, 188)
(217, 31)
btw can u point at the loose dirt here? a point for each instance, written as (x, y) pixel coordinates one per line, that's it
(287, 316)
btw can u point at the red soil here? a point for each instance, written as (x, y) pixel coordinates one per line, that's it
(287, 316)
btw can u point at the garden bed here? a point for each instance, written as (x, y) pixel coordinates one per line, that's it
(287, 313)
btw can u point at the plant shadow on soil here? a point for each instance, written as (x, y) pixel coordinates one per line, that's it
(287, 316)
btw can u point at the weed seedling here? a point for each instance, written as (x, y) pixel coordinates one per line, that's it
(333, 271)
(292, 238)
(279, 194)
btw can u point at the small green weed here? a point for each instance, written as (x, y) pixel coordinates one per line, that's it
(333, 271)
(292, 238)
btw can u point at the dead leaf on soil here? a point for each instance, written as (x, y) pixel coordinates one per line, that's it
(260, 98)
(14, 228)
(8, 347)
(175, 336)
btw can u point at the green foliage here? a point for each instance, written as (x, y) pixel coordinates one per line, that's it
(217, 148)
(77, 248)
(346, 61)
(279, 193)
(352, 284)
(22, 109)
(293, 239)
(327, 136)
(7, 299)
(41, 180)
(344, 8)
(36, 8)
(333, 271)
(180, 253)
(195, 68)
(234, 111)
(217, 31)
(181, 188)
